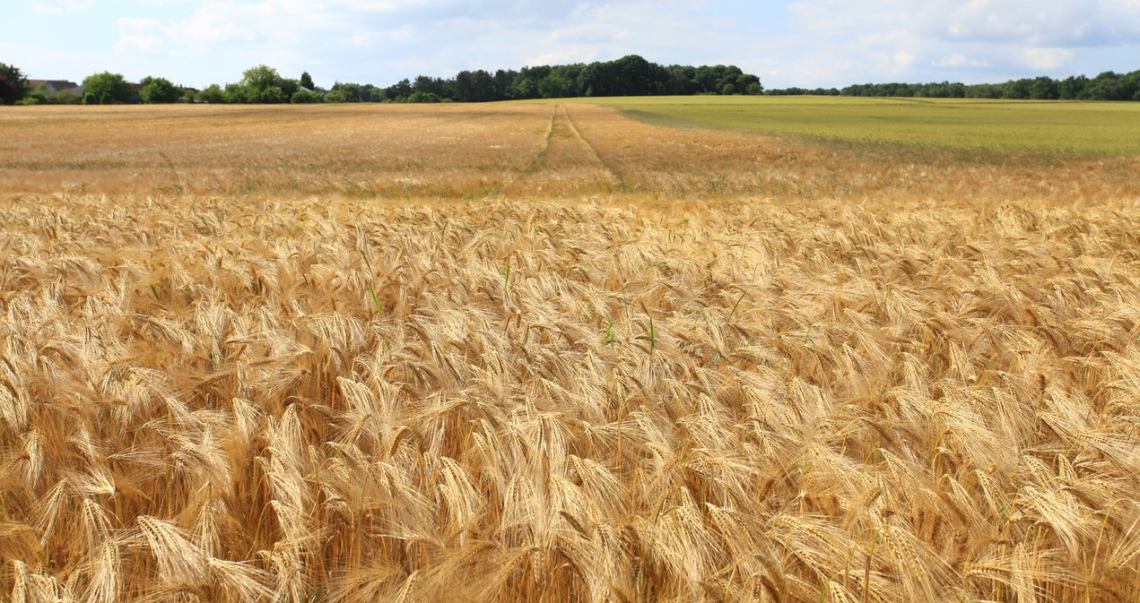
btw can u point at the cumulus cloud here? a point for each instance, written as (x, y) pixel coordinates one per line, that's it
(139, 36)
(957, 38)
(788, 42)
(1047, 58)
(437, 37)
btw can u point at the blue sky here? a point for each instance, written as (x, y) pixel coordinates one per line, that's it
(806, 43)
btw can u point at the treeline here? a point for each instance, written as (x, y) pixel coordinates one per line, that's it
(628, 76)
(1108, 86)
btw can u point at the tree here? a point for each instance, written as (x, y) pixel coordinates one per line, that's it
(1044, 88)
(307, 81)
(106, 89)
(1018, 89)
(1107, 86)
(420, 96)
(475, 87)
(634, 76)
(160, 91)
(747, 83)
(305, 97)
(400, 91)
(341, 94)
(13, 84)
(261, 84)
(213, 95)
(558, 84)
(1073, 87)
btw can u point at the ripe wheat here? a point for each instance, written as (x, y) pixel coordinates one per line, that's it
(697, 366)
(837, 402)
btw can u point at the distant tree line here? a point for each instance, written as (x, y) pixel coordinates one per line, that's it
(628, 76)
(1108, 86)
(803, 92)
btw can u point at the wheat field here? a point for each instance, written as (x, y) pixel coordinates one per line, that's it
(571, 369)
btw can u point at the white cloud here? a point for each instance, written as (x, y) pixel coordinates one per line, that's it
(139, 36)
(971, 40)
(55, 7)
(960, 60)
(1061, 22)
(575, 54)
(788, 42)
(903, 59)
(49, 62)
(1047, 59)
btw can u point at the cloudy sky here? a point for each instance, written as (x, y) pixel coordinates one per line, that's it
(805, 43)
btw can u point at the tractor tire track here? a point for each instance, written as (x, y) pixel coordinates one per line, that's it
(619, 182)
(537, 159)
(566, 161)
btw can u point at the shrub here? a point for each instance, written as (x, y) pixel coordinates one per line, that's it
(423, 97)
(305, 97)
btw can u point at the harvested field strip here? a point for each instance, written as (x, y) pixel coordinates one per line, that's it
(234, 400)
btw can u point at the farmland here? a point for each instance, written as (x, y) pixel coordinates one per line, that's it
(550, 352)
(518, 150)
(1104, 128)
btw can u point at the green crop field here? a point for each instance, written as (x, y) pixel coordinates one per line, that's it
(1071, 127)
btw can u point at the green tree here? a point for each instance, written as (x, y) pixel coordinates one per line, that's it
(260, 77)
(305, 97)
(13, 84)
(345, 93)
(289, 87)
(1018, 89)
(261, 84)
(106, 89)
(400, 91)
(213, 95)
(420, 96)
(1044, 88)
(307, 81)
(1073, 87)
(160, 91)
(338, 95)
(634, 76)
(475, 87)
(558, 84)
(746, 83)
(1107, 86)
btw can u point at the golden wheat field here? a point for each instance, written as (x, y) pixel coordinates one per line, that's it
(555, 353)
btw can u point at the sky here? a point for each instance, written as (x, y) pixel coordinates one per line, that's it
(804, 43)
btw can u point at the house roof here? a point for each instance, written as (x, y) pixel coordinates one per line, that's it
(53, 84)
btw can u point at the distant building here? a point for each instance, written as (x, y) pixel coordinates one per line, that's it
(53, 85)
